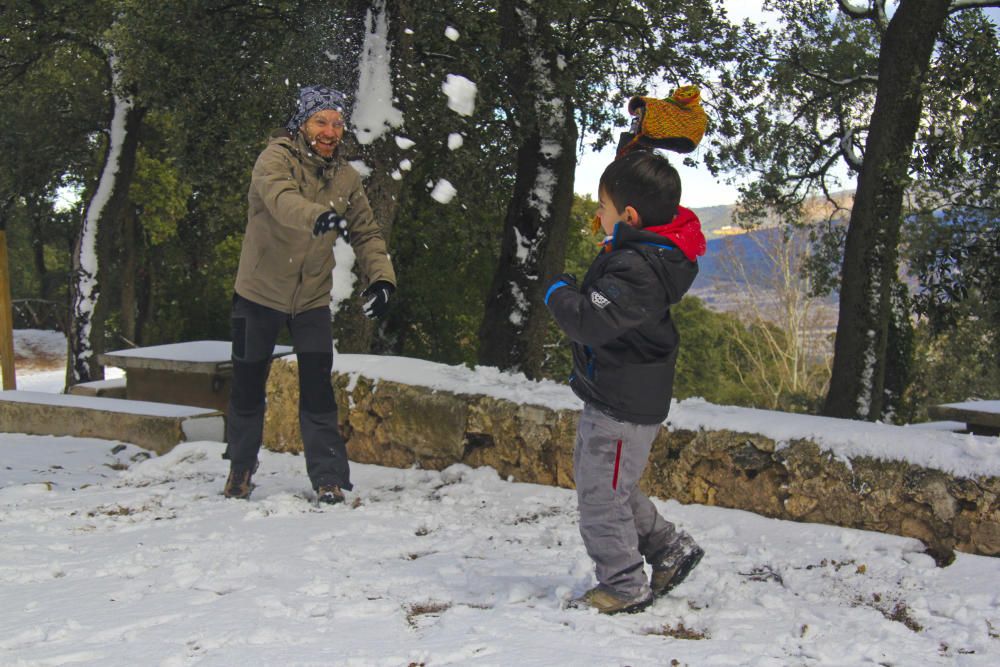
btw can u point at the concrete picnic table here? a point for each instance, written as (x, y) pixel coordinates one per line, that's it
(980, 417)
(197, 373)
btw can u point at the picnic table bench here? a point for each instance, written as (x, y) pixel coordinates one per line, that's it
(980, 417)
(197, 373)
(154, 426)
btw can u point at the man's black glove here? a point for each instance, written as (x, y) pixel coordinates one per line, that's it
(376, 298)
(330, 221)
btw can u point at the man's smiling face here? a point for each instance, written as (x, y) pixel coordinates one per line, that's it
(323, 131)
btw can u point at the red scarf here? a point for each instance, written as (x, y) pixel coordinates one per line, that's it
(684, 231)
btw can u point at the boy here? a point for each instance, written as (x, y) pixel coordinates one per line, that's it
(624, 351)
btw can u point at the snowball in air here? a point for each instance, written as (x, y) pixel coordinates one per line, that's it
(451, 33)
(443, 192)
(461, 94)
(455, 140)
(363, 169)
(405, 143)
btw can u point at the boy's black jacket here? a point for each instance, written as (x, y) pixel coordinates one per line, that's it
(624, 341)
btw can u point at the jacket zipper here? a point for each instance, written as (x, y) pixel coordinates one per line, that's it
(322, 176)
(295, 295)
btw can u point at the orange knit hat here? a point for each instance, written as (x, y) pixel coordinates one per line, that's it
(677, 123)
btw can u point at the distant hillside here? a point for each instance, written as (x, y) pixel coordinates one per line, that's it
(714, 218)
(718, 283)
(717, 221)
(721, 285)
(716, 264)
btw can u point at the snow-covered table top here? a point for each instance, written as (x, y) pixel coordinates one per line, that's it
(989, 407)
(199, 356)
(974, 413)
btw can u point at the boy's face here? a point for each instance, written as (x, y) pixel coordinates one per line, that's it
(610, 216)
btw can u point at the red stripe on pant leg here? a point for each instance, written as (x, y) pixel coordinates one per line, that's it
(618, 458)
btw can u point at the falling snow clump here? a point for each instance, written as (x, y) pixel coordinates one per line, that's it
(461, 94)
(443, 192)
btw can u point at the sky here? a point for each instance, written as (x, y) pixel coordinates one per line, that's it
(112, 557)
(699, 188)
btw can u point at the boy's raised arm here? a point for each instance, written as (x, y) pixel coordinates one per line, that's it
(615, 303)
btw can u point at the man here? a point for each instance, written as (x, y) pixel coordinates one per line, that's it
(303, 197)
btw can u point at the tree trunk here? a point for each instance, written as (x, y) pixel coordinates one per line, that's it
(37, 216)
(7, 369)
(871, 255)
(130, 271)
(144, 303)
(533, 247)
(105, 205)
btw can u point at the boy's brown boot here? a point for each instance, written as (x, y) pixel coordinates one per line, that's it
(608, 601)
(675, 565)
(239, 483)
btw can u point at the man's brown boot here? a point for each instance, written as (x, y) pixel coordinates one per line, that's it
(239, 484)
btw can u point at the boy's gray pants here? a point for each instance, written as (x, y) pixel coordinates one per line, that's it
(619, 525)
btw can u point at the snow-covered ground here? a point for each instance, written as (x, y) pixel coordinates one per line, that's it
(108, 557)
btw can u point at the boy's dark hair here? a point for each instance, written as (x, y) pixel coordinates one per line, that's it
(647, 182)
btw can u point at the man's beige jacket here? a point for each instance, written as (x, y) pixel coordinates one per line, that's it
(281, 265)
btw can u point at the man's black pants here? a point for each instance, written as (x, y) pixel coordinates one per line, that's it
(255, 331)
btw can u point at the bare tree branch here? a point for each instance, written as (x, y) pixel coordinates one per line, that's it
(836, 208)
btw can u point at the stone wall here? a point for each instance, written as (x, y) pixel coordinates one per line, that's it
(393, 424)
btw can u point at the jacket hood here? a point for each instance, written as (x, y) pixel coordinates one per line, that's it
(683, 232)
(670, 250)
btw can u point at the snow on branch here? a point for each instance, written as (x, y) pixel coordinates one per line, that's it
(862, 11)
(868, 9)
(842, 83)
(959, 5)
(848, 151)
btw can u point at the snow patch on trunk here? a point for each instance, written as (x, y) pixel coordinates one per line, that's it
(88, 290)
(520, 310)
